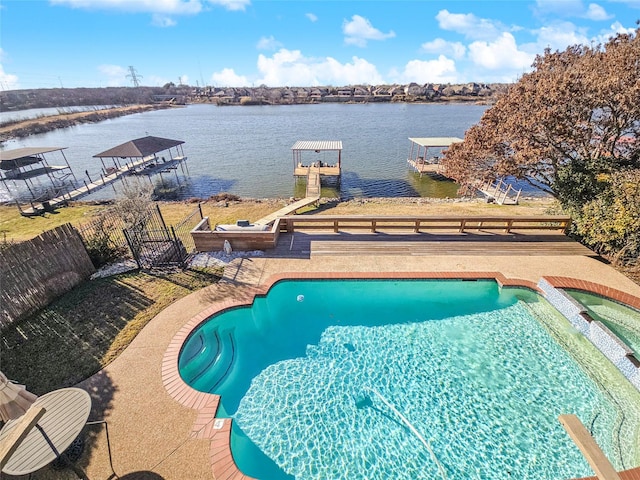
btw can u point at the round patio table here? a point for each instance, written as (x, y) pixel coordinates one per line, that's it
(67, 411)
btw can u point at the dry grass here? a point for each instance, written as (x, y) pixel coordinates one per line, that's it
(16, 228)
(84, 330)
(433, 207)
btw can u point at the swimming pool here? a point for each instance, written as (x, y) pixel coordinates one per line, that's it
(320, 377)
(622, 320)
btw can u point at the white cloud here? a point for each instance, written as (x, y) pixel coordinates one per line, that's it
(268, 43)
(469, 25)
(7, 80)
(233, 5)
(502, 54)
(359, 30)
(163, 21)
(559, 35)
(290, 67)
(612, 31)
(441, 46)
(596, 12)
(228, 78)
(156, 81)
(312, 17)
(116, 75)
(571, 8)
(441, 70)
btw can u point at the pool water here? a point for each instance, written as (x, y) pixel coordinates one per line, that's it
(317, 373)
(620, 319)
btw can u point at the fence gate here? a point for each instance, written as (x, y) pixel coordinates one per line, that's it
(152, 244)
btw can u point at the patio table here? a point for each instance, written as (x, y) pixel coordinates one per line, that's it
(67, 411)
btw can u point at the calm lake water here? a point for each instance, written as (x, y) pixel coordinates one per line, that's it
(247, 150)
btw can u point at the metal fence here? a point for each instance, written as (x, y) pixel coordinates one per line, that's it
(108, 224)
(182, 231)
(153, 244)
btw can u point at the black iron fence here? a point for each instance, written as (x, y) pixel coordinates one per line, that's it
(182, 231)
(153, 244)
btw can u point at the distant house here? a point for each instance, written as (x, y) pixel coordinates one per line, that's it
(288, 95)
(381, 92)
(302, 93)
(470, 89)
(317, 94)
(361, 93)
(415, 90)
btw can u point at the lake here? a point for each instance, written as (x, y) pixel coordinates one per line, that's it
(247, 150)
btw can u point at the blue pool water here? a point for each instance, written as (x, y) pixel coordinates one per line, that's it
(466, 363)
(621, 320)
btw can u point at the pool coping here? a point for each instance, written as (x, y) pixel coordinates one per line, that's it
(218, 431)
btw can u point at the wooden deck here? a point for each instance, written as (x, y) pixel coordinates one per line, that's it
(560, 246)
(421, 167)
(328, 171)
(303, 244)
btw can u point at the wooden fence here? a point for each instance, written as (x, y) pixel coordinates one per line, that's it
(35, 272)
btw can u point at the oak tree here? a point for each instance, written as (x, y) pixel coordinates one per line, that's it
(574, 117)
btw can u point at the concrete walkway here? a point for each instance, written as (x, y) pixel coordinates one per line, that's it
(152, 435)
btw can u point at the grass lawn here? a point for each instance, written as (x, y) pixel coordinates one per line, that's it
(82, 331)
(16, 228)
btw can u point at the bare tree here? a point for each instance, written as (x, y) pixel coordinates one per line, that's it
(133, 205)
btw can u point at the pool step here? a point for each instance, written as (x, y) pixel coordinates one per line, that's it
(207, 360)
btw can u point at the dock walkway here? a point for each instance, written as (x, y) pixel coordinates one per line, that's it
(312, 196)
(501, 192)
(103, 181)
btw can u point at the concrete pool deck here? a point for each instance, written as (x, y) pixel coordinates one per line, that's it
(154, 436)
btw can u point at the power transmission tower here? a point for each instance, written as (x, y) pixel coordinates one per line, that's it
(134, 76)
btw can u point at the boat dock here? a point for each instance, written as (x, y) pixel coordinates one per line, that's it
(314, 172)
(500, 192)
(329, 170)
(38, 208)
(420, 158)
(136, 157)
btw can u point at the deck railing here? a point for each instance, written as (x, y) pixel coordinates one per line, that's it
(424, 223)
(206, 239)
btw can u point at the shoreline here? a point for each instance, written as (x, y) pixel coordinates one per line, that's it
(34, 126)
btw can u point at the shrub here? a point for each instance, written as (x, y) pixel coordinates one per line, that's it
(610, 223)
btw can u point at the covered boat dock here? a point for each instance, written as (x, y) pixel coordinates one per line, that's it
(314, 153)
(26, 165)
(422, 160)
(141, 156)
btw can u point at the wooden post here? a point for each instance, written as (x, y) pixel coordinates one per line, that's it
(19, 433)
(598, 462)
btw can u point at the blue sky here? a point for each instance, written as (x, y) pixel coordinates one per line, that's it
(92, 43)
